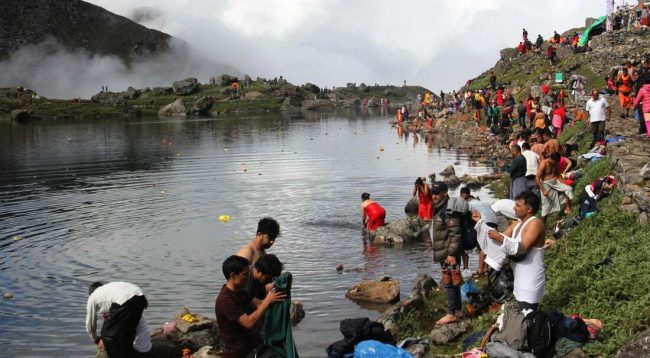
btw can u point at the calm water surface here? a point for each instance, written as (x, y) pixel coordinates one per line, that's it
(139, 201)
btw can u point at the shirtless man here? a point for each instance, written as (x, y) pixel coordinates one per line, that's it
(267, 231)
(525, 248)
(548, 184)
(551, 145)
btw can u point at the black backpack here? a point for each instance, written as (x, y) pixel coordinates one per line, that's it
(501, 283)
(540, 337)
(468, 234)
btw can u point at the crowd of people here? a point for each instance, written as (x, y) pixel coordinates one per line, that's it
(244, 308)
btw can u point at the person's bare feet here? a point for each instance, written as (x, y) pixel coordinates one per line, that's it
(448, 318)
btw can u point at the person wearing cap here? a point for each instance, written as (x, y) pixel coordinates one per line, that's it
(446, 240)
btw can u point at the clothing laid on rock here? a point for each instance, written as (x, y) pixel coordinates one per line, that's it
(376, 216)
(125, 332)
(229, 307)
(277, 321)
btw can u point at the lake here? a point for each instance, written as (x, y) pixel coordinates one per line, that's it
(139, 201)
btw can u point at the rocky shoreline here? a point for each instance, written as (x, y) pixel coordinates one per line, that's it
(223, 95)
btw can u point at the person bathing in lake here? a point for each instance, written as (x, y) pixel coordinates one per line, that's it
(425, 208)
(267, 231)
(372, 214)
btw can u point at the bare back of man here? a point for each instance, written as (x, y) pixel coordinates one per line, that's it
(250, 252)
(551, 146)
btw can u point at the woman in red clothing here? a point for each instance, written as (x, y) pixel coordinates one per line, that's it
(425, 200)
(372, 214)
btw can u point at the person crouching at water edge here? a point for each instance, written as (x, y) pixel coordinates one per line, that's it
(125, 333)
(372, 214)
(446, 239)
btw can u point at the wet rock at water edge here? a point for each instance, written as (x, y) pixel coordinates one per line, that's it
(202, 105)
(385, 290)
(411, 208)
(448, 171)
(296, 312)
(20, 115)
(177, 108)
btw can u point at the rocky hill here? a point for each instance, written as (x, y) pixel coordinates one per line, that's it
(75, 25)
(607, 51)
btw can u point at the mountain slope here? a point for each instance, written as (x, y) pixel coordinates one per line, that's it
(76, 25)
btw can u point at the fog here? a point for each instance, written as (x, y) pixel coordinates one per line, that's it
(436, 44)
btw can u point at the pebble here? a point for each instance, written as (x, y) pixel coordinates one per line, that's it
(8, 296)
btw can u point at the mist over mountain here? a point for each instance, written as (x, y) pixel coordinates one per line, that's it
(71, 48)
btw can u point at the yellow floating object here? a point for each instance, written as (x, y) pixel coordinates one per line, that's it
(190, 318)
(16, 238)
(224, 218)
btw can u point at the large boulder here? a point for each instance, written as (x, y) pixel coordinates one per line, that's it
(640, 347)
(448, 171)
(385, 290)
(226, 80)
(412, 207)
(310, 87)
(131, 93)
(363, 87)
(177, 108)
(424, 295)
(400, 231)
(508, 54)
(185, 87)
(352, 102)
(202, 105)
(109, 98)
(20, 115)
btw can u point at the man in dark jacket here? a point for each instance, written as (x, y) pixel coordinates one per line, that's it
(446, 239)
(517, 170)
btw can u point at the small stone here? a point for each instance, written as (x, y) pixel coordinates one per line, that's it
(339, 267)
(8, 296)
(626, 200)
(643, 218)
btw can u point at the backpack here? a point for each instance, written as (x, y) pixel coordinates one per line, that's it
(264, 351)
(540, 337)
(501, 283)
(468, 233)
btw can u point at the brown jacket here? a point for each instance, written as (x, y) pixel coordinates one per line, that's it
(446, 235)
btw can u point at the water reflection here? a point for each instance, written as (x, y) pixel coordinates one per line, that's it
(138, 200)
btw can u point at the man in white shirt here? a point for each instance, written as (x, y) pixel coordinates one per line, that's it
(599, 112)
(532, 160)
(125, 333)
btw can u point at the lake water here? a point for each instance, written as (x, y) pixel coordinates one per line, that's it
(139, 201)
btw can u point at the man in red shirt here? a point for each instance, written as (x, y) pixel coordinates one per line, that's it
(238, 313)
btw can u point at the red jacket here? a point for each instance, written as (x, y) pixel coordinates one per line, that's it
(643, 96)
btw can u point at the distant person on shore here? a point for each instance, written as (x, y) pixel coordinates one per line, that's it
(643, 101)
(524, 242)
(539, 42)
(267, 231)
(446, 238)
(125, 333)
(238, 313)
(425, 208)
(373, 215)
(599, 113)
(554, 192)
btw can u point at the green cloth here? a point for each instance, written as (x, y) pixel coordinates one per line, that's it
(277, 323)
(584, 38)
(564, 346)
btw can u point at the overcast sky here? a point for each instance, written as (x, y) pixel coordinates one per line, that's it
(437, 44)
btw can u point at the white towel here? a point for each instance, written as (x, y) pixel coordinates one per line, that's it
(496, 253)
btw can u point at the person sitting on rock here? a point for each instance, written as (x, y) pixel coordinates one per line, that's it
(238, 315)
(372, 214)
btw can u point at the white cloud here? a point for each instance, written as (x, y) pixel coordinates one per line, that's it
(438, 44)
